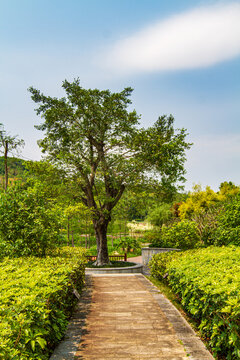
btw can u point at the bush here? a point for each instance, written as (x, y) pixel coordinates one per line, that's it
(153, 237)
(28, 225)
(36, 299)
(228, 224)
(159, 262)
(182, 235)
(127, 244)
(207, 281)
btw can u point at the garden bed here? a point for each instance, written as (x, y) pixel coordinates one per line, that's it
(207, 282)
(37, 296)
(114, 264)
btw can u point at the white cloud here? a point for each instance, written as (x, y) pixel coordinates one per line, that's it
(214, 159)
(197, 38)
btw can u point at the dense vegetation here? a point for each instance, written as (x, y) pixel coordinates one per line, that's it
(36, 300)
(204, 218)
(16, 167)
(28, 222)
(75, 198)
(207, 282)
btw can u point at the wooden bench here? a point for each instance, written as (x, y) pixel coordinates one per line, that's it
(111, 257)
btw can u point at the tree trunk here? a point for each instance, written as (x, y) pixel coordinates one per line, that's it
(6, 165)
(101, 238)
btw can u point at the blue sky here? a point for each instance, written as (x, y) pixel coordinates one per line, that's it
(181, 57)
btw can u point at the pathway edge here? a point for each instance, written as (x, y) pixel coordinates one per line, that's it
(185, 333)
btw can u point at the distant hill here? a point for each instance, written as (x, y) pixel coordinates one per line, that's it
(16, 167)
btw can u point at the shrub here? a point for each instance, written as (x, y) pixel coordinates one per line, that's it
(154, 237)
(198, 201)
(182, 235)
(228, 224)
(207, 281)
(28, 225)
(159, 262)
(36, 299)
(207, 224)
(128, 243)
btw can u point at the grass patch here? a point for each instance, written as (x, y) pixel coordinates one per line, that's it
(114, 264)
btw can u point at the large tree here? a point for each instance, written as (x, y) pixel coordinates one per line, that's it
(92, 135)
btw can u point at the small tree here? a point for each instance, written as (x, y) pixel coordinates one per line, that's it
(8, 144)
(28, 223)
(91, 135)
(160, 215)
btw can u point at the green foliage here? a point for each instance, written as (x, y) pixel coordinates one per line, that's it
(153, 237)
(204, 207)
(93, 136)
(36, 299)
(159, 262)
(207, 281)
(228, 190)
(198, 201)
(228, 224)
(135, 203)
(16, 167)
(28, 224)
(160, 215)
(128, 244)
(181, 235)
(207, 224)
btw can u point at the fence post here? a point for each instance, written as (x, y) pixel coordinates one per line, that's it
(125, 257)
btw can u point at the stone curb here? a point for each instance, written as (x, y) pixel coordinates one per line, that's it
(193, 345)
(136, 269)
(68, 347)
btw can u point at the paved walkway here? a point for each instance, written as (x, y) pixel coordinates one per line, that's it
(125, 317)
(137, 259)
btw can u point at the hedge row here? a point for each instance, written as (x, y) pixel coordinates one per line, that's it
(208, 283)
(36, 299)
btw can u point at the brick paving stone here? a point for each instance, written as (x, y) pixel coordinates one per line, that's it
(125, 322)
(125, 317)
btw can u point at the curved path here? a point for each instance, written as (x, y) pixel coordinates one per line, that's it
(125, 317)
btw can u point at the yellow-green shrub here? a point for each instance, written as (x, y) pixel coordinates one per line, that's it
(36, 299)
(208, 283)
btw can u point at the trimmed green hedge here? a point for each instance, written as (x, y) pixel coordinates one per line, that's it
(208, 284)
(36, 300)
(182, 235)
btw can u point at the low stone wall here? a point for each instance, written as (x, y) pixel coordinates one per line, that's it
(138, 268)
(148, 252)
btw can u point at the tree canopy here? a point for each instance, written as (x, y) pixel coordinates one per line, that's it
(93, 136)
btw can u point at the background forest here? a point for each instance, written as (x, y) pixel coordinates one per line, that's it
(46, 207)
